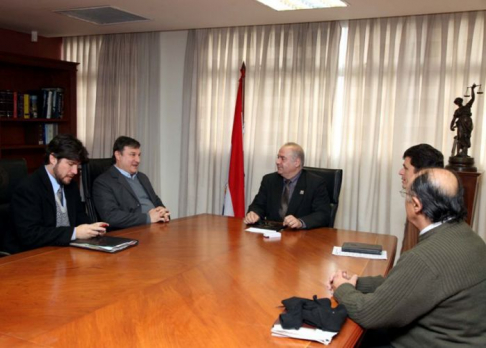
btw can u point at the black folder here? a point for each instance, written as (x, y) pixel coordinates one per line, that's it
(362, 248)
(268, 225)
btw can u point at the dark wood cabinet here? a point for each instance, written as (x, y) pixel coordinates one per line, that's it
(471, 182)
(19, 137)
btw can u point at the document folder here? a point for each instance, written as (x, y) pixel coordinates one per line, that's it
(105, 243)
(362, 248)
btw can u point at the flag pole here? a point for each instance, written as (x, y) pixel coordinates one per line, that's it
(243, 76)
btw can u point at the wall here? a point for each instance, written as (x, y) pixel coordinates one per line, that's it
(172, 76)
(20, 43)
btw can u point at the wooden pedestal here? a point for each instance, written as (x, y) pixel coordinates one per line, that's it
(470, 181)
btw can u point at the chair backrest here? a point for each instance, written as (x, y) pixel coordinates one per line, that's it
(334, 178)
(12, 172)
(89, 172)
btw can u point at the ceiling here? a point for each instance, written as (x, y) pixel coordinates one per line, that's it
(168, 15)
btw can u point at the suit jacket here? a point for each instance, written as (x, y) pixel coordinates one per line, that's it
(33, 208)
(309, 202)
(116, 202)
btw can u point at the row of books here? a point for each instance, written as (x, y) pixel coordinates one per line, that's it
(44, 103)
(47, 132)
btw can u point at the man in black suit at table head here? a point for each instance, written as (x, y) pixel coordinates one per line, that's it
(292, 195)
(46, 207)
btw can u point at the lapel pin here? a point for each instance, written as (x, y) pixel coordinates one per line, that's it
(301, 192)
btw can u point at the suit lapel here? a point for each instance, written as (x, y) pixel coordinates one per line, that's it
(123, 181)
(276, 195)
(46, 182)
(71, 205)
(145, 184)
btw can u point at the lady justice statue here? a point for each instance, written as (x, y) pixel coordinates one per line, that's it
(462, 121)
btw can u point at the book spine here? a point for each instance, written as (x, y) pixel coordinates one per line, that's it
(26, 105)
(60, 107)
(15, 105)
(9, 104)
(42, 103)
(20, 105)
(49, 104)
(3, 102)
(33, 106)
(54, 104)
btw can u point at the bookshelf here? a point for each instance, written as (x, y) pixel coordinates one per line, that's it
(19, 137)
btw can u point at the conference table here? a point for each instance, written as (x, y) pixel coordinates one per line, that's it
(200, 281)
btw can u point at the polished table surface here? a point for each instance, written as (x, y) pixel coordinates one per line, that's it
(197, 281)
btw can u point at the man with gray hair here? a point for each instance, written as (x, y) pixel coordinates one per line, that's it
(292, 195)
(435, 296)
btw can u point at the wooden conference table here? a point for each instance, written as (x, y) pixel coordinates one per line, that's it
(200, 281)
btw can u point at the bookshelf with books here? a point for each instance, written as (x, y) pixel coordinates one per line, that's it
(37, 101)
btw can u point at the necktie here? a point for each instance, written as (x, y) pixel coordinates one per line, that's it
(59, 195)
(62, 218)
(284, 203)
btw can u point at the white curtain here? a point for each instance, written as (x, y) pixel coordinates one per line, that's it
(290, 78)
(119, 81)
(401, 77)
(358, 106)
(355, 94)
(84, 50)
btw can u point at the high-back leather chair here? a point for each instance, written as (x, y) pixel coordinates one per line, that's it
(12, 172)
(89, 172)
(334, 178)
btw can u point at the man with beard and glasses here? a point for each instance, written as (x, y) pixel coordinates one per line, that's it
(46, 207)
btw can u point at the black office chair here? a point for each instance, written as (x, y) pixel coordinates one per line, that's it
(334, 178)
(89, 172)
(12, 172)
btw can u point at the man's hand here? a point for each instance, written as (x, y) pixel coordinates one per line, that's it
(251, 218)
(339, 278)
(87, 231)
(292, 222)
(164, 213)
(159, 214)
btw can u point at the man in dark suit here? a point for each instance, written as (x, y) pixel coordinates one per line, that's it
(416, 158)
(46, 207)
(292, 195)
(123, 196)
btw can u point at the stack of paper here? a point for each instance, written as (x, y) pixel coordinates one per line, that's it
(266, 233)
(304, 333)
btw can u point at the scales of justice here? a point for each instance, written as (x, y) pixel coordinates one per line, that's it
(462, 123)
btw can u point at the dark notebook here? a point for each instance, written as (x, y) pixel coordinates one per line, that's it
(362, 248)
(105, 243)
